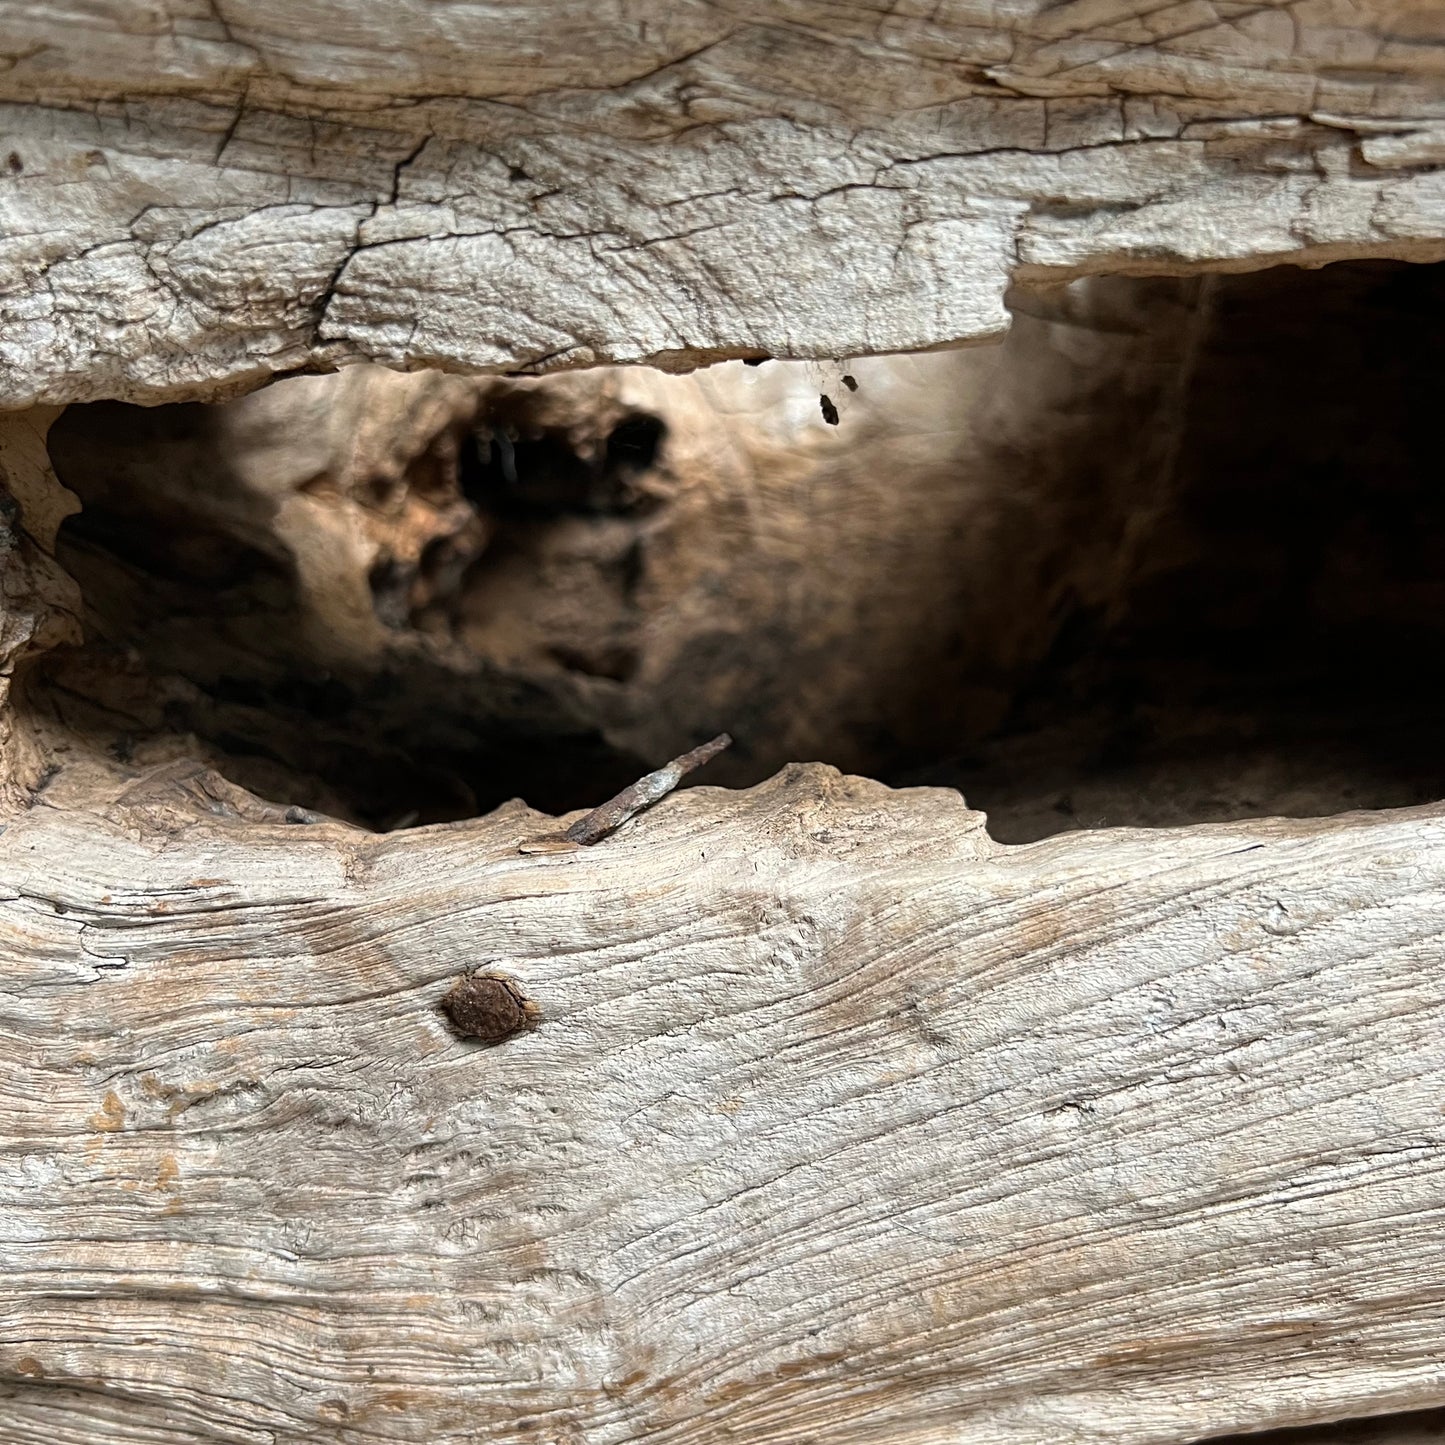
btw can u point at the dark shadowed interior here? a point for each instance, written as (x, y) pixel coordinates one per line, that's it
(1208, 584)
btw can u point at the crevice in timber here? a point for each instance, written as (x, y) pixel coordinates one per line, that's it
(1174, 552)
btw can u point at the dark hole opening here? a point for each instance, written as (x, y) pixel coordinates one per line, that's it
(522, 470)
(1174, 552)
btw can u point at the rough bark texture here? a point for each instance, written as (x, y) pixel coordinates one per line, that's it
(831, 1117)
(195, 196)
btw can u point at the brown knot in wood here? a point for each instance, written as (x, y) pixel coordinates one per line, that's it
(483, 1006)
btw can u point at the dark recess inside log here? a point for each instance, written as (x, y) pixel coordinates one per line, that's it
(1174, 552)
(512, 470)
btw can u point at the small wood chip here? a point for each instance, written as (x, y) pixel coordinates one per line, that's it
(602, 822)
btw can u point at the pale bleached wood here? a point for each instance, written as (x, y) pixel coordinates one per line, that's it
(841, 1123)
(196, 196)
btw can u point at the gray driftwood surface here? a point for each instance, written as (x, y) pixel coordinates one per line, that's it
(199, 195)
(841, 1122)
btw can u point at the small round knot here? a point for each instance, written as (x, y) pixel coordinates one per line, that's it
(486, 1007)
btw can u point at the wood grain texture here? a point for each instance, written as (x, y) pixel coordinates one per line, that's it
(194, 196)
(840, 1122)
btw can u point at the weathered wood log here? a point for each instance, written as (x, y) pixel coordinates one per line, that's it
(196, 198)
(839, 1122)
(836, 1118)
